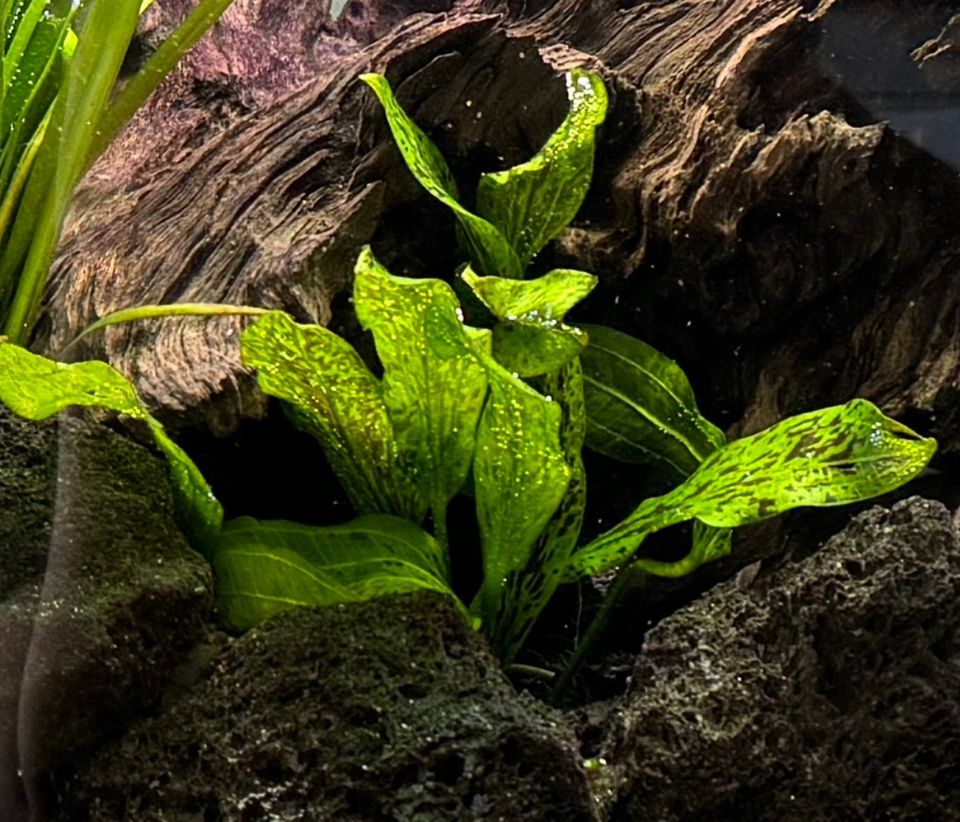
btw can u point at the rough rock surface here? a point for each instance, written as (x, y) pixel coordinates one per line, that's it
(387, 710)
(27, 480)
(829, 690)
(122, 602)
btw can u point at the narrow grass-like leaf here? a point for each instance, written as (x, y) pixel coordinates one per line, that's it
(108, 26)
(79, 125)
(640, 407)
(263, 568)
(533, 202)
(36, 388)
(548, 297)
(147, 311)
(434, 401)
(28, 72)
(833, 456)
(335, 397)
(487, 247)
(139, 87)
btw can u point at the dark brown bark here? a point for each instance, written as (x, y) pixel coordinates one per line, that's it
(751, 214)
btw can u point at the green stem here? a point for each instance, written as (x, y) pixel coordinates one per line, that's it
(143, 312)
(623, 582)
(585, 646)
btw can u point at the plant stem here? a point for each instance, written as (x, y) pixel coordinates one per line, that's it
(623, 582)
(439, 513)
(597, 626)
(143, 312)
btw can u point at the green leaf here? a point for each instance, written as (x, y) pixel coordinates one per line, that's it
(263, 568)
(488, 249)
(531, 338)
(138, 88)
(434, 401)
(548, 297)
(640, 406)
(76, 128)
(520, 476)
(334, 396)
(108, 26)
(533, 202)
(530, 348)
(37, 388)
(833, 456)
(527, 591)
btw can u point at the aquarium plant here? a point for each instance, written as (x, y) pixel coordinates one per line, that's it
(499, 412)
(60, 106)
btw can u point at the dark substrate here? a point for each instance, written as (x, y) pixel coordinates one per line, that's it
(826, 689)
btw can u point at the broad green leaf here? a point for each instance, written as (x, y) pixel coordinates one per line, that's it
(530, 348)
(263, 568)
(531, 338)
(335, 397)
(488, 249)
(547, 298)
(36, 388)
(533, 202)
(529, 590)
(520, 476)
(833, 456)
(434, 401)
(640, 407)
(521, 470)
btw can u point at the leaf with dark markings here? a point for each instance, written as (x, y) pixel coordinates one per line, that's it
(530, 348)
(529, 589)
(833, 456)
(487, 247)
(334, 397)
(433, 400)
(533, 202)
(547, 298)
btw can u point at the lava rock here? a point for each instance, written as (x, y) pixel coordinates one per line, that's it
(27, 479)
(829, 690)
(391, 709)
(123, 601)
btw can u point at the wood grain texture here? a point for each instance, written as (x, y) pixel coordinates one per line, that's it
(764, 208)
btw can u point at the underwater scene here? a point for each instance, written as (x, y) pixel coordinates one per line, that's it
(479, 410)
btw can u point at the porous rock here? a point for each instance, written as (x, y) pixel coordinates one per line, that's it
(27, 471)
(122, 601)
(384, 710)
(27, 480)
(828, 690)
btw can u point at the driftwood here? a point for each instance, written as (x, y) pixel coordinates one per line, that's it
(761, 209)
(765, 209)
